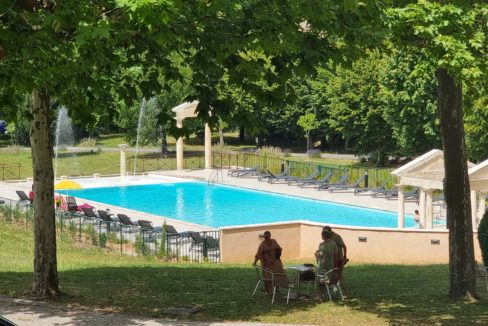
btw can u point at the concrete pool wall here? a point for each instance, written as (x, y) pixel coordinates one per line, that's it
(301, 239)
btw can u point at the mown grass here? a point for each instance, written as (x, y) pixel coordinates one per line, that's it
(85, 163)
(380, 294)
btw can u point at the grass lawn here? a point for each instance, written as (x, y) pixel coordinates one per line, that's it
(380, 294)
(68, 164)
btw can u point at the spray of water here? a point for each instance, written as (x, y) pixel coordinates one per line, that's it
(64, 135)
(139, 123)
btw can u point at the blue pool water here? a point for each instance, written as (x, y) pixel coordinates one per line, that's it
(219, 205)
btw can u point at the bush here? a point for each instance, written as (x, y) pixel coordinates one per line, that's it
(269, 151)
(103, 240)
(140, 247)
(14, 150)
(483, 238)
(314, 153)
(286, 152)
(92, 234)
(88, 142)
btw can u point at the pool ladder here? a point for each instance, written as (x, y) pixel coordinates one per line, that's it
(215, 176)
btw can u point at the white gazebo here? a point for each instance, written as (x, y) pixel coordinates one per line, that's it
(187, 110)
(478, 180)
(427, 173)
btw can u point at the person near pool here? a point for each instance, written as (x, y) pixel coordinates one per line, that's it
(417, 216)
(341, 256)
(327, 254)
(269, 253)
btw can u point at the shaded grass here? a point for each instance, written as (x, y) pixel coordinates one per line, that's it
(381, 294)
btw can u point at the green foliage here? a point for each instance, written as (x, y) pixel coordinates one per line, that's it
(88, 142)
(450, 36)
(476, 124)
(483, 237)
(140, 247)
(308, 122)
(112, 238)
(269, 151)
(92, 234)
(356, 108)
(103, 240)
(410, 97)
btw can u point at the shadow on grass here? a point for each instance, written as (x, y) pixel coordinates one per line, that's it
(395, 294)
(221, 293)
(411, 295)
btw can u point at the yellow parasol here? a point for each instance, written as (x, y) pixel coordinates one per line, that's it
(67, 184)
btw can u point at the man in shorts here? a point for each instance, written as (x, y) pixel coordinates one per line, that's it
(342, 256)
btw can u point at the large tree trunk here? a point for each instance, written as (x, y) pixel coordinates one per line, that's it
(242, 134)
(221, 135)
(45, 264)
(456, 188)
(164, 142)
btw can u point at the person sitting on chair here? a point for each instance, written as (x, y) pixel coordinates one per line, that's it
(269, 253)
(31, 195)
(327, 254)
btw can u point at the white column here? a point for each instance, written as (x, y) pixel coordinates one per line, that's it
(208, 147)
(482, 205)
(179, 148)
(474, 208)
(123, 169)
(401, 207)
(429, 224)
(422, 209)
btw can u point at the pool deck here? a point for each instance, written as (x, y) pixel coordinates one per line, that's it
(7, 190)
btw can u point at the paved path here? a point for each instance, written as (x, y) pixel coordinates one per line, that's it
(41, 313)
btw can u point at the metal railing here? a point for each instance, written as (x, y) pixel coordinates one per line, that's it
(215, 176)
(16, 211)
(376, 176)
(10, 171)
(76, 227)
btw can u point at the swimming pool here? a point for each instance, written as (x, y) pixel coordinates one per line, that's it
(220, 205)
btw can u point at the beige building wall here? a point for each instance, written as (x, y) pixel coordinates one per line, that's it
(300, 240)
(239, 244)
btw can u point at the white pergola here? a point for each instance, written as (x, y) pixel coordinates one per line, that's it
(427, 173)
(187, 110)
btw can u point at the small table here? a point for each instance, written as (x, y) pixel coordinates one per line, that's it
(298, 269)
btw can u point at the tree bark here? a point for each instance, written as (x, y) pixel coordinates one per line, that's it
(462, 275)
(221, 135)
(45, 281)
(309, 142)
(242, 134)
(164, 142)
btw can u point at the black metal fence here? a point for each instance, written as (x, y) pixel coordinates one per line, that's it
(10, 171)
(188, 246)
(155, 163)
(376, 176)
(16, 211)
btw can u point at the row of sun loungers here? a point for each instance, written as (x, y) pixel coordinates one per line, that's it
(124, 222)
(323, 183)
(146, 226)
